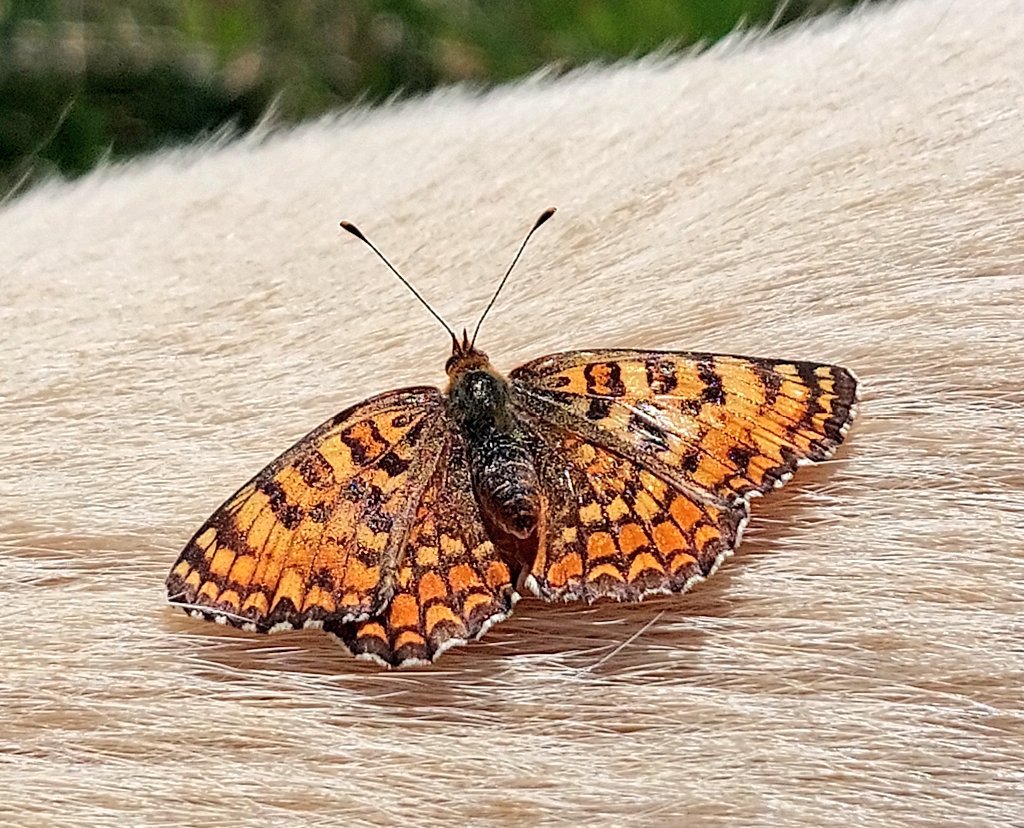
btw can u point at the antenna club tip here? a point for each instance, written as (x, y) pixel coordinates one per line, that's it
(548, 213)
(351, 228)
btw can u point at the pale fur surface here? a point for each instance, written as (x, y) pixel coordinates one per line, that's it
(852, 192)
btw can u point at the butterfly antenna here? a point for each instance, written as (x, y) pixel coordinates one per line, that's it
(355, 231)
(543, 217)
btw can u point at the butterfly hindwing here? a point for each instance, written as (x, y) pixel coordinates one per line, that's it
(452, 584)
(610, 529)
(317, 533)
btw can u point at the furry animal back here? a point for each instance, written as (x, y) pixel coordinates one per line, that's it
(169, 323)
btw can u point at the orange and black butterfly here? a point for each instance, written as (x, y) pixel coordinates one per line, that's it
(413, 521)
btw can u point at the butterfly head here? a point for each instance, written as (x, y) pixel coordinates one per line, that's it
(465, 357)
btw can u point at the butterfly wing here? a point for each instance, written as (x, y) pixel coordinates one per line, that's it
(451, 586)
(611, 529)
(639, 436)
(318, 533)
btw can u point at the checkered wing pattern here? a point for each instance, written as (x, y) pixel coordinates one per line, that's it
(648, 459)
(452, 585)
(318, 533)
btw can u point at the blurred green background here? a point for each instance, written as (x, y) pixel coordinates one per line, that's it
(85, 81)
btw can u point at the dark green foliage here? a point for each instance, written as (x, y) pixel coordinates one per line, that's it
(80, 81)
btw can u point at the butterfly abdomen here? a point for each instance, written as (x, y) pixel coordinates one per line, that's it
(504, 477)
(505, 482)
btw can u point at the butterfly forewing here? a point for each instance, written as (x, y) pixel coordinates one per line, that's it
(716, 426)
(317, 534)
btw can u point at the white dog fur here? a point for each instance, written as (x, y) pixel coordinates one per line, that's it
(852, 192)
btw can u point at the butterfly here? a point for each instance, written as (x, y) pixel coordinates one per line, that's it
(414, 520)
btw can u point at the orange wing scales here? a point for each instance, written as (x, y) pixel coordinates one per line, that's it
(452, 584)
(720, 424)
(618, 531)
(645, 463)
(663, 452)
(317, 533)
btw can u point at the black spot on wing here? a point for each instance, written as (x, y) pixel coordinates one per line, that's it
(315, 470)
(807, 372)
(323, 577)
(688, 405)
(356, 489)
(234, 537)
(740, 456)
(377, 521)
(599, 408)
(289, 514)
(712, 392)
(392, 465)
(772, 383)
(610, 385)
(661, 374)
(284, 611)
(362, 446)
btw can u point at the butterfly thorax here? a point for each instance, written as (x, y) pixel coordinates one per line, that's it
(501, 460)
